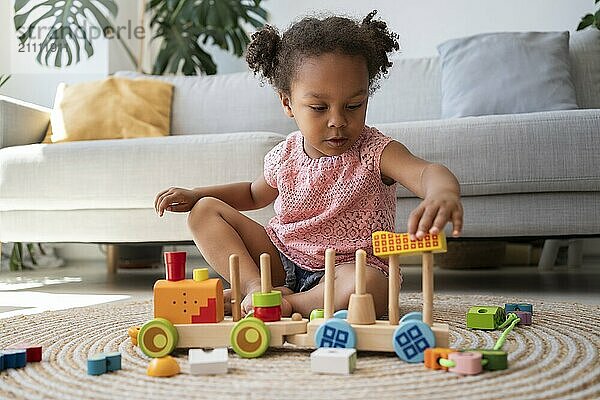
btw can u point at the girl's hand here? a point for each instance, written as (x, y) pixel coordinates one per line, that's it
(175, 200)
(433, 213)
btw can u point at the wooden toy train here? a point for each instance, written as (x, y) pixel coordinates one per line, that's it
(189, 313)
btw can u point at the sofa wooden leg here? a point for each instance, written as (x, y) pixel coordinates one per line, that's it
(112, 258)
(549, 253)
(575, 253)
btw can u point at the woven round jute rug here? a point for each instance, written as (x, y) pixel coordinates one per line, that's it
(555, 358)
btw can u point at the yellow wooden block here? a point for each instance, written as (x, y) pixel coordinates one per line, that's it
(188, 301)
(389, 243)
(200, 274)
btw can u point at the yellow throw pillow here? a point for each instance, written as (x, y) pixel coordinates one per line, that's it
(113, 108)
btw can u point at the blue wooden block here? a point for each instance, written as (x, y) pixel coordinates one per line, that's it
(341, 314)
(96, 364)
(510, 307)
(1, 361)
(113, 361)
(20, 357)
(411, 338)
(10, 359)
(335, 332)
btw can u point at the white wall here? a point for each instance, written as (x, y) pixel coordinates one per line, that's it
(423, 24)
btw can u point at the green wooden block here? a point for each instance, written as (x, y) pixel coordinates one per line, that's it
(272, 299)
(316, 313)
(485, 317)
(496, 359)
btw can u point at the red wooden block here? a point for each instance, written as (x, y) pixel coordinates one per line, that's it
(34, 353)
(268, 314)
(175, 265)
(524, 316)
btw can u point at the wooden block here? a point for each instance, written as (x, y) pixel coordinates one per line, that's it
(388, 243)
(496, 359)
(34, 352)
(187, 301)
(268, 314)
(510, 307)
(333, 360)
(317, 313)
(200, 274)
(361, 309)
(163, 367)
(271, 299)
(441, 333)
(205, 335)
(113, 361)
(485, 317)
(15, 358)
(524, 316)
(1, 361)
(96, 364)
(467, 363)
(433, 355)
(208, 362)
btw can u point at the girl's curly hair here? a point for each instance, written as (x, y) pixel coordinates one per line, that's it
(276, 57)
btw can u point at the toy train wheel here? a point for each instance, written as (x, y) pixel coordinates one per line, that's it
(250, 337)
(411, 338)
(335, 332)
(158, 338)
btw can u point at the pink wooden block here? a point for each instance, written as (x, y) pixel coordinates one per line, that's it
(467, 363)
(524, 316)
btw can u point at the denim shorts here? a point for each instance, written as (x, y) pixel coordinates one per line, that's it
(298, 279)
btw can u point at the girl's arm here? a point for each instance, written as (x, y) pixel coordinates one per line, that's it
(434, 183)
(242, 196)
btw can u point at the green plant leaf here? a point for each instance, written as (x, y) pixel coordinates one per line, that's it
(4, 79)
(69, 20)
(188, 27)
(586, 21)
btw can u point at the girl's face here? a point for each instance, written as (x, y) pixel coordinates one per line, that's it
(328, 100)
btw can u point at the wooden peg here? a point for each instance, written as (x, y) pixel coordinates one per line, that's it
(328, 299)
(428, 288)
(394, 289)
(265, 273)
(361, 307)
(236, 294)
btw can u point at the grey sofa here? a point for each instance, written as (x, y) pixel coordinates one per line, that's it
(533, 175)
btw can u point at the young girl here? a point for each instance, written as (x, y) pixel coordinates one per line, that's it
(333, 182)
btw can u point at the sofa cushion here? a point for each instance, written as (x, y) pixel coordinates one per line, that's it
(585, 62)
(410, 92)
(111, 108)
(222, 103)
(110, 174)
(506, 73)
(555, 151)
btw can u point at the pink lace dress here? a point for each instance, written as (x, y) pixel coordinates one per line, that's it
(329, 202)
